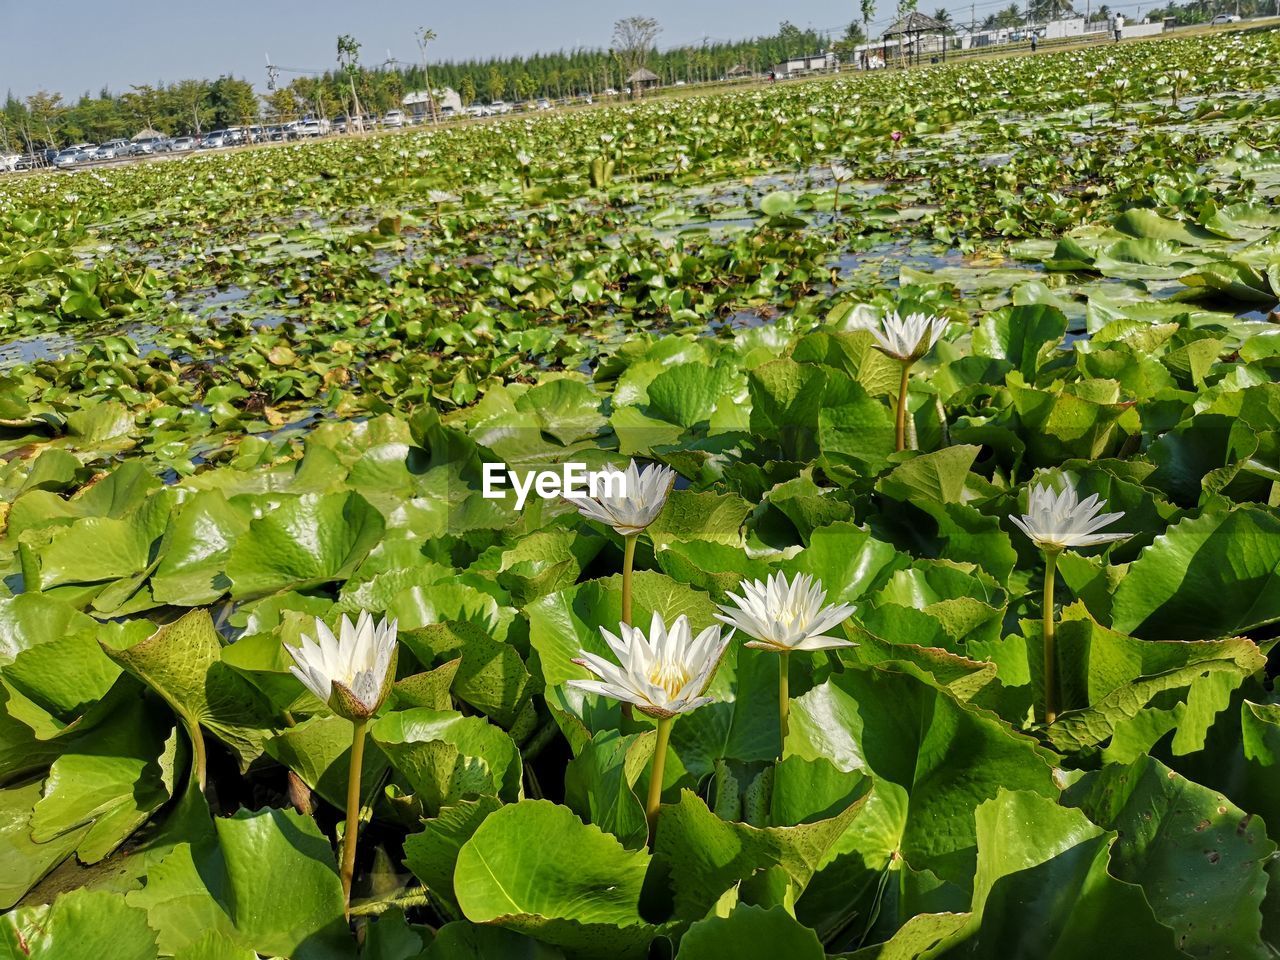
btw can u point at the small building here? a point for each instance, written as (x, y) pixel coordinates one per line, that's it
(739, 72)
(917, 35)
(800, 66)
(1064, 29)
(642, 80)
(419, 102)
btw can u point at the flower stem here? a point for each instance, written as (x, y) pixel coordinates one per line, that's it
(199, 759)
(655, 775)
(900, 437)
(784, 699)
(1050, 654)
(628, 561)
(359, 728)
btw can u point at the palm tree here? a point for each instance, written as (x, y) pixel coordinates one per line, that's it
(1046, 10)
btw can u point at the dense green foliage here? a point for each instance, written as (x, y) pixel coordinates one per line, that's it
(245, 390)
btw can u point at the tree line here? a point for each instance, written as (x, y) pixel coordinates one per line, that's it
(197, 106)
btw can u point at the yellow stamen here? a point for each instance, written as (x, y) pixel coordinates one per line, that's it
(670, 676)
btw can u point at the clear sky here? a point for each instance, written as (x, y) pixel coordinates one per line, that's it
(72, 46)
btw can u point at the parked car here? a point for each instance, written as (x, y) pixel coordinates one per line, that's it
(70, 157)
(182, 144)
(9, 161)
(1222, 18)
(144, 148)
(312, 128)
(213, 140)
(544, 104)
(112, 149)
(393, 119)
(35, 161)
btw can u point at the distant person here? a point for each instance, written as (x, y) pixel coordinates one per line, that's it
(1034, 38)
(1119, 26)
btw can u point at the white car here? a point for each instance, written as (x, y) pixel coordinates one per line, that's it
(393, 119)
(1222, 18)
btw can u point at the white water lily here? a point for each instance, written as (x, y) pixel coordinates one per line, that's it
(351, 672)
(440, 196)
(906, 338)
(786, 617)
(663, 674)
(840, 173)
(1056, 521)
(643, 496)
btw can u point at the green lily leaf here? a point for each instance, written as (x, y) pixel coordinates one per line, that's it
(577, 888)
(303, 541)
(182, 661)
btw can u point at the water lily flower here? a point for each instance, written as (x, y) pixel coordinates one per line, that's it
(440, 196)
(1055, 522)
(644, 495)
(664, 675)
(905, 339)
(841, 175)
(353, 673)
(786, 618)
